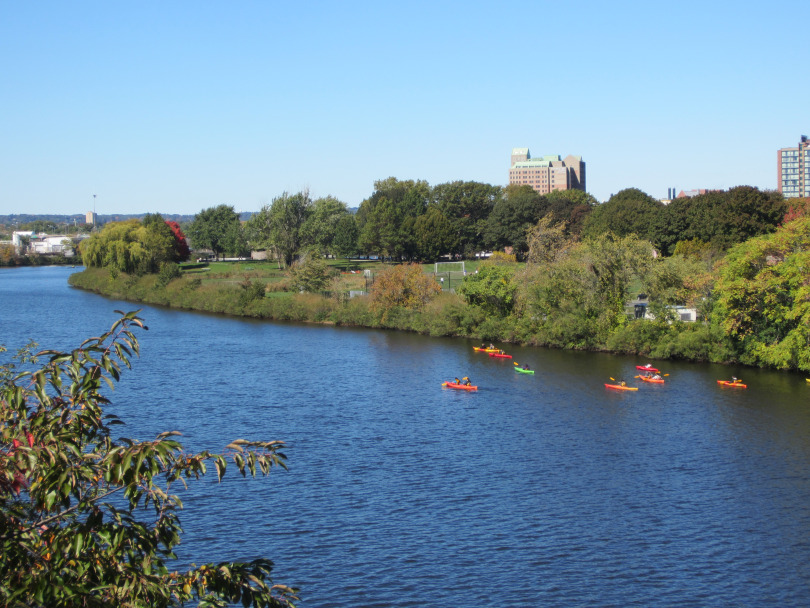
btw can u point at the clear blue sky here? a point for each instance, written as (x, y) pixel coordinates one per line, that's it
(173, 107)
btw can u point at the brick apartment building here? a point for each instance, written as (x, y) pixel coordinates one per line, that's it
(547, 173)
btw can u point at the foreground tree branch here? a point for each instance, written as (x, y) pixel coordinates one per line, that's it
(63, 541)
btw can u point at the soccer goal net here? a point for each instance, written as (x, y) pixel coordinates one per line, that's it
(447, 267)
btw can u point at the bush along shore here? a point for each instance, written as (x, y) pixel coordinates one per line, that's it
(476, 309)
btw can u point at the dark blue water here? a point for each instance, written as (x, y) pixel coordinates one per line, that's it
(544, 490)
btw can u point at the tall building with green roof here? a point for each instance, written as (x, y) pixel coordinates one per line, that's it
(546, 173)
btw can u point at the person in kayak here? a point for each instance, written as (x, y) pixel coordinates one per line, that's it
(456, 381)
(656, 376)
(466, 381)
(526, 367)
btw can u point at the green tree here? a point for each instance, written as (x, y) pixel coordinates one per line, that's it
(493, 288)
(762, 297)
(579, 299)
(130, 247)
(627, 212)
(385, 219)
(722, 219)
(571, 207)
(41, 226)
(434, 235)
(344, 243)
(278, 226)
(320, 228)
(547, 240)
(310, 272)
(158, 241)
(162, 230)
(467, 205)
(677, 281)
(214, 228)
(116, 247)
(514, 213)
(386, 230)
(87, 520)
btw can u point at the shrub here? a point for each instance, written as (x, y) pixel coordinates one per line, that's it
(168, 272)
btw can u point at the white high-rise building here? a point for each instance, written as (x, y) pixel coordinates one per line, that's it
(792, 167)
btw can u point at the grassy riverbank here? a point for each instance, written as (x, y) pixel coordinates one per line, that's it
(261, 290)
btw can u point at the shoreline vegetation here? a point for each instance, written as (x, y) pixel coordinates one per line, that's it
(461, 306)
(259, 291)
(620, 277)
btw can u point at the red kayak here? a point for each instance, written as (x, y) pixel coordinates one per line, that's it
(500, 356)
(647, 369)
(464, 387)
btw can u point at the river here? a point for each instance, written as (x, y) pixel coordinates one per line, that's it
(544, 490)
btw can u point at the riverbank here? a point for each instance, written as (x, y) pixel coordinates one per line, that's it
(257, 291)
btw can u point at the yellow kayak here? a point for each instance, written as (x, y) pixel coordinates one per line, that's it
(620, 387)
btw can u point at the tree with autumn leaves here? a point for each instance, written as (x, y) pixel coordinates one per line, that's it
(402, 286)
(87, 520)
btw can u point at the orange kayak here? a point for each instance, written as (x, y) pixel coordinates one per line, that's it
(730, 383)
(653, 380)
(464, 387)
(619, 387)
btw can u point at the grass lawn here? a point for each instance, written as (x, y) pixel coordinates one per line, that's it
(352, 273)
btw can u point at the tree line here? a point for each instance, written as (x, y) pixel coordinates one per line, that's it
(407, 220)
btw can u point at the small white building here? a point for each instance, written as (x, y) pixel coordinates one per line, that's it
(43, 244)
(638, 309)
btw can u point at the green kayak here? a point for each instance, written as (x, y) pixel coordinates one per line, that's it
(520, 370)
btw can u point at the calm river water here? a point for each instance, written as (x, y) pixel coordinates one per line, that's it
(544, 490)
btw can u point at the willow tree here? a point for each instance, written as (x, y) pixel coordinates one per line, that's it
(130, 247)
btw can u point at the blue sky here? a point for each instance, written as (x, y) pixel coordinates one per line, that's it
(174, 107)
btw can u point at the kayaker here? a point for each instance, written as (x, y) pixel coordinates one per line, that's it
(656, 377)
(734, 380)
(526, 367)
(491, 345)
(466, 381)
(623, 383)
